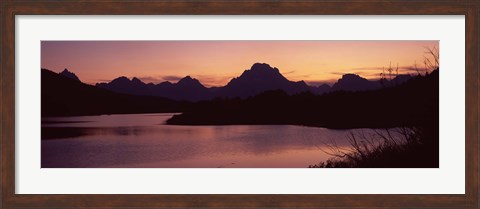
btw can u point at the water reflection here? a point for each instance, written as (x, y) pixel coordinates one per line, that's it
(143, 140)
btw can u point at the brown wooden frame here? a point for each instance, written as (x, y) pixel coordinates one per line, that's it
(10, 8)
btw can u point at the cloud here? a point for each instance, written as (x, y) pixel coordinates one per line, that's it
(360, 73)
(412, 69)
(366, 68)
(149, 79)
(103, 81)
(171, 78)
(288, 72)
(329, 82)
(338, 73)
(213, 80)
(206, 80)
(299, 77)
(404, 68)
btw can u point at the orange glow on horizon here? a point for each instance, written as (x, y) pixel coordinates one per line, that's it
(215, 63)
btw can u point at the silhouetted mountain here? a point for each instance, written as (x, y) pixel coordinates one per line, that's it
(69, 74)
(260, 78)
(353, 82)
(124, 85)
(62, 96)
(187, 88)
(191, 88)
(189, 82)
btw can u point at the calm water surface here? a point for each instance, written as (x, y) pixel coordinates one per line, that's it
(144, 140)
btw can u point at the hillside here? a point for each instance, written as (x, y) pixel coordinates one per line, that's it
(64, 96)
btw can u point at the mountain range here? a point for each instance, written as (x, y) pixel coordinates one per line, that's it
(260, 78)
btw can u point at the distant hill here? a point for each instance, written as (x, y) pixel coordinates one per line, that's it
(63, 96)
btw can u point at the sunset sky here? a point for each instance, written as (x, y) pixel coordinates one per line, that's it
(215, 63)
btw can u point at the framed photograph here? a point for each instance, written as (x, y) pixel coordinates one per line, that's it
(258, 104)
